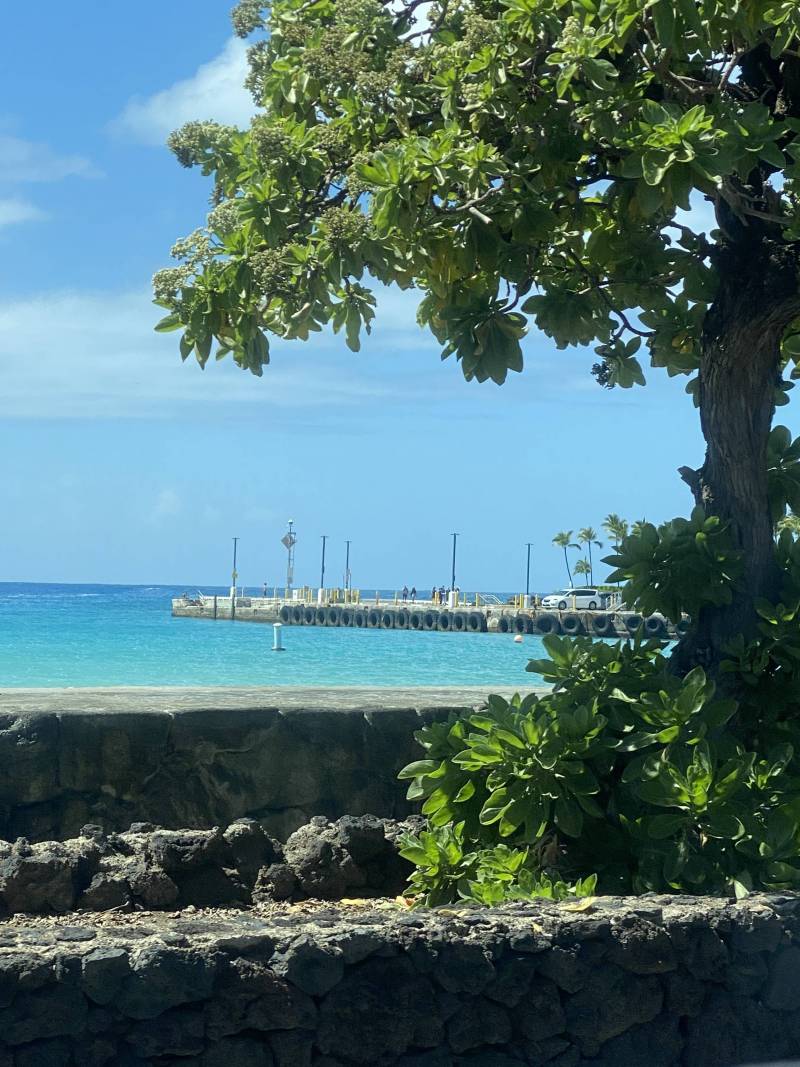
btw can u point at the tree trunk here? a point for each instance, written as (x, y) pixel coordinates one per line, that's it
(739, 373)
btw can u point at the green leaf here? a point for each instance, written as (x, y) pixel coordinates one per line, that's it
(568, 817)
(169, 323)
(663, 826)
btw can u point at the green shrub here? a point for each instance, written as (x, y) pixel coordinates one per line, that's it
(622, 778)
(447, 869)
(677, 567)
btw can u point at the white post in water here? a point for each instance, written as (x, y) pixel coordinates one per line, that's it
(277, 637)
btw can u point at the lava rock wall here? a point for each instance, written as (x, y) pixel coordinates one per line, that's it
(201, 767)
(659, 981)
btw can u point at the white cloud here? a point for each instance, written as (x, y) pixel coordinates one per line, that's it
(31, 161)
(215, 91)
(84, 355)
(95, 356)
(14, 211)
(167, 505)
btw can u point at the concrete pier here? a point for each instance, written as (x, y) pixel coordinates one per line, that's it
(429, 616)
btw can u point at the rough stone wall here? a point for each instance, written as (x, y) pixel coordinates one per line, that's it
(201, 767)
(151, 868)
(659, 981)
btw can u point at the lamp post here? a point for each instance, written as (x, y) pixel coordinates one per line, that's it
(234, 572)
(453, 575)
(347, 567)
(322, 571)
(528, 571)
(288, 541)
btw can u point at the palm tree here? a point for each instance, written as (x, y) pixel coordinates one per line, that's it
(616, 527)
(588, 536)
(564, 540)
(637, 527)
(583, 566)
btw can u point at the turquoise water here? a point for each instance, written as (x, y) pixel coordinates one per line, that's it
(70, 635)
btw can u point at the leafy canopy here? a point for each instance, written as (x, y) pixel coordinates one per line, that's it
(513, 159)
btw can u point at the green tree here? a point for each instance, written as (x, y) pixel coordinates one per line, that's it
(588, 536)
(518, 162)
(616, 528)
(583, 566)
(564, 540)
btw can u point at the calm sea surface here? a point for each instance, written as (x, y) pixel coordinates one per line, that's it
(87, 635)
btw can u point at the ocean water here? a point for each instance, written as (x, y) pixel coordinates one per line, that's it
(96, 635)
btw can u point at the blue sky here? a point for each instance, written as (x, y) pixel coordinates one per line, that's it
(123, 465)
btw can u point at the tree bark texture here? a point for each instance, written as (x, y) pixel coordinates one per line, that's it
(739, 372)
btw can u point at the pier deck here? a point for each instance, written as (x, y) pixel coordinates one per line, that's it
(427, 616)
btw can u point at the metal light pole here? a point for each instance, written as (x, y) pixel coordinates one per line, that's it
(322, 571)
(453, 576)
(528, 571)
(288, 541)
(347, 567)
(234, 572)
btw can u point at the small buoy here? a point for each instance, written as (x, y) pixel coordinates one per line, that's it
(277, 645)
(518, 639)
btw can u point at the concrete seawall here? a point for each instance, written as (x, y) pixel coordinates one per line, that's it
(205, 757)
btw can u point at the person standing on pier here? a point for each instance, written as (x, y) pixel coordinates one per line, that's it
(405, 593)
(413, 594)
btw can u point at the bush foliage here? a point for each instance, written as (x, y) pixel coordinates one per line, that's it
(623, 778)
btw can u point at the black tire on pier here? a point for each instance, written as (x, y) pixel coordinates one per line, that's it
(387, 620)
(321, 616)
(572, 624)
(373, 618)
(683, 626)
(297, 616)
(346, 617)
(416, 621)
(655, 626)
(359, 617)
(521, 624)
(632, 622)
(546, 623)
(430, 620)
(504, 624)
(445, 621)
(310, 616)
(603, 625)
(476, 622)
(285, 614)
(333, 616)
(459, 622)
(401, 619)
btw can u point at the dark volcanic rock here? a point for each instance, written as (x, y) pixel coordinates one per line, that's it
(356, 987)
(252, 848)
(276, 882)
(46, 877)
(332, 859)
